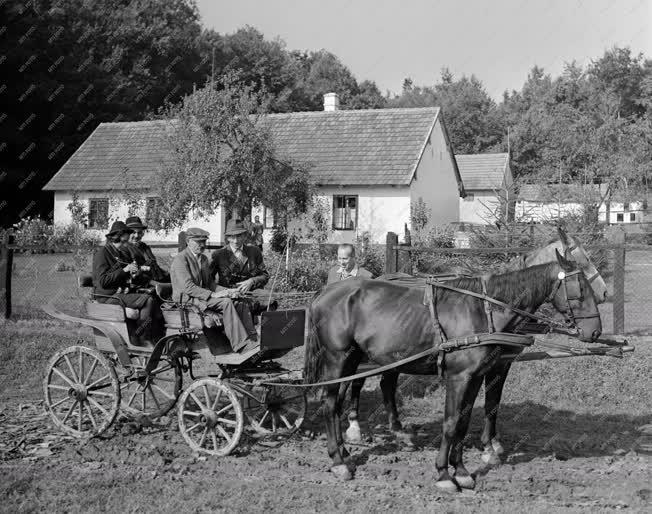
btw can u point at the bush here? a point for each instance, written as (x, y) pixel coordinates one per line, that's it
(307, 272)
(33, 231)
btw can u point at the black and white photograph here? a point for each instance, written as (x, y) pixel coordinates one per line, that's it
(336, 256)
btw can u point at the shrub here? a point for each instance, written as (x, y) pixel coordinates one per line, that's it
(33, 231)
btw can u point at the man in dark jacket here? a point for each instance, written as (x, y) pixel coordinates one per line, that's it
(237, 265)
(142, 253)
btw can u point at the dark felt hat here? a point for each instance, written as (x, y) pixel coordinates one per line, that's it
(235, 227)
(118, 227)
(135, 223)
(196, 233)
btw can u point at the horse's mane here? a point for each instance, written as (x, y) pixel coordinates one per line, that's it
(521, 287)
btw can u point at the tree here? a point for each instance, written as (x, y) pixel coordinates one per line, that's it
(221, 154)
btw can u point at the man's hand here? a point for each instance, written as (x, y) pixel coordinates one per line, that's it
(226, 293)
(131, 268)
(245, 286)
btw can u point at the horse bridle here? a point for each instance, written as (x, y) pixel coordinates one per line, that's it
(569, 314)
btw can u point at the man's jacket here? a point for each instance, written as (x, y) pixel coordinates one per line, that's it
(230, 270)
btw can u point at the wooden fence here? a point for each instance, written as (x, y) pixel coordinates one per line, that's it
(397, 256)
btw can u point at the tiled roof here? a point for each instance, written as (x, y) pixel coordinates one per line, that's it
(363, 147)
(482, 171)
(558, 192)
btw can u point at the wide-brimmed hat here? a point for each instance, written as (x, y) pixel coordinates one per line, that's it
(197, 233)
(235, 227)
(119, 227)
(135, 223)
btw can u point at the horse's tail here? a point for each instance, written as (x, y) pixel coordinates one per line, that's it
(312, 359)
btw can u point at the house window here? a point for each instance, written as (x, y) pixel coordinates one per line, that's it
(153, 212)
(98, 213)
(345, 212)
(619, 217)
(269, 218)
(469, 197)
(632, 216)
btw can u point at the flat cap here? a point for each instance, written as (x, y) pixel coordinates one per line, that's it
(196, 233)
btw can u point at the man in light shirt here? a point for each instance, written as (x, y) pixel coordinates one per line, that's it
(347, 267)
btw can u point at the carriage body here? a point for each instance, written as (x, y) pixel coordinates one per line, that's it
(86, 388)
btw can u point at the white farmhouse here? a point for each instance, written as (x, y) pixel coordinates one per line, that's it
(370, 166)
(488, 183)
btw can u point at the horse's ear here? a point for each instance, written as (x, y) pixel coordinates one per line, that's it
(563, 236)
(565, 264)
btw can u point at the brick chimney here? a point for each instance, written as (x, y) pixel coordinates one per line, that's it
(331, 102)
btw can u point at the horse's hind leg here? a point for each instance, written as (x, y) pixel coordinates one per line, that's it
(388, 383)
(353, 433)
(494, 382)
(335, 446)
(456, 459)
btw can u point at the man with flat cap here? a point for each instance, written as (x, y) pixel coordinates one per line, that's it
(238, 265)
(193, 281)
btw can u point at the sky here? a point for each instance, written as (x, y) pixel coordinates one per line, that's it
(498, 41)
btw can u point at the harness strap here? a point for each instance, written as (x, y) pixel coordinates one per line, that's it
(487, 306)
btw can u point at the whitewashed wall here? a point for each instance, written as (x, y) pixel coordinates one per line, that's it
(435, 181)
(480, 207)
(118, 211)
(381, 209)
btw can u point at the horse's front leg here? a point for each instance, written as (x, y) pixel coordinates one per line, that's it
(494, 382)
(353, 433)
(456, 458)
(456, 386)
(388, 384)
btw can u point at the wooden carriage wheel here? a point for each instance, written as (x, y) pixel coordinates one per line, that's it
(281, 411)
(81, 389)
(210, 417)
(151, 394)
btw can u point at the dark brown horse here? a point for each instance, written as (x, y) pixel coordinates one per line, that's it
(495, 378)
(386, 322)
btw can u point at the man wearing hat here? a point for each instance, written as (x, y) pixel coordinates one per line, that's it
(115, 277)
(238, 265)
(142, 253)
(193, 281)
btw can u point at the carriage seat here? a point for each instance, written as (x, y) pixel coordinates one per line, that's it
(106, 311)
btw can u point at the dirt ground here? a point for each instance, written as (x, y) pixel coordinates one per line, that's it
(578, 435)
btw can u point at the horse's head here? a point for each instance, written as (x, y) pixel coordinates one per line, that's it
(578, 253)
(574, 298)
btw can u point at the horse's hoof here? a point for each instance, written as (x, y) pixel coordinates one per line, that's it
(342, 472)
(353, 433)
(465, 482)
(447, 485)
(498, 448)
(490, 458)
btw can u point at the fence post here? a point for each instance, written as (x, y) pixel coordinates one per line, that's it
(619, 238)
(6, 266)
(182, 241)
(391, 255)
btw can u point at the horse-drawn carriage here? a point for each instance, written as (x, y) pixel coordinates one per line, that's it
(85, 388)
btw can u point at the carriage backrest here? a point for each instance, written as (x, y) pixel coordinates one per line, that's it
(85, 280)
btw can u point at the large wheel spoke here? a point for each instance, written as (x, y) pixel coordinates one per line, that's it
(164, 393)
(55, 386)
(285, 420)
(67, 398)
(191, 413)
(217, 399)
(199, 404)
(90, 414)
(151, 393)
(224, 409)
(206, 395)
(194, 426)
(225, 421)
(99, 381)
(203, 437)
(223, 432)
(81, 366)
(72, 407)
(72, 370)
(64, 377)
(214, 438)
(80, 414)
(262, 420)
(99, 407)
(91, 371)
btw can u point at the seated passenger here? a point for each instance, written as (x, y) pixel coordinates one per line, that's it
(192, 281)
(142, 253)
(115, 280)
(347, 267)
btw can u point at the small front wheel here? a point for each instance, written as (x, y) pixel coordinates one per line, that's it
(81, 389)
(210, 417)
